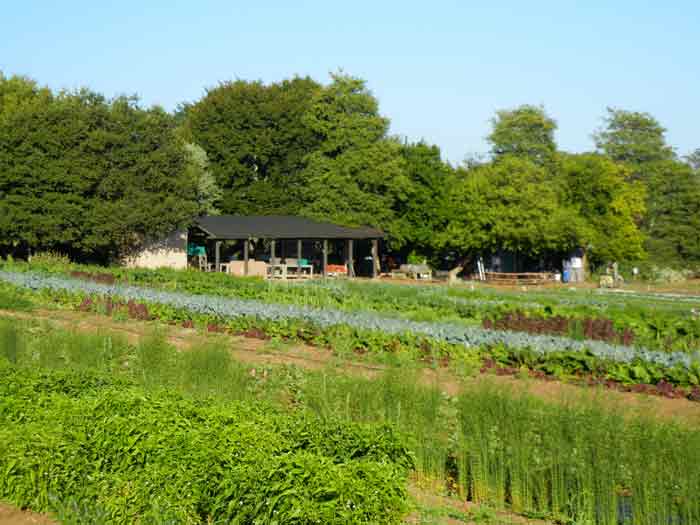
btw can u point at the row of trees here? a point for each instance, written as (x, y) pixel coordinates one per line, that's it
(94, 177)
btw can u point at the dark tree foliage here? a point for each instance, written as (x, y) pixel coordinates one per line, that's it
(94, 178)
(86, 176)
(255, 141)
(425, 210)
(693, 160)
(357, 175)
(673, 218)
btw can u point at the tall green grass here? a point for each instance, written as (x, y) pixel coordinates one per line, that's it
(395, 398)
(575, 459)
(153, 363)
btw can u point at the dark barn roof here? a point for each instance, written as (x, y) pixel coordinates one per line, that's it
(233, 227)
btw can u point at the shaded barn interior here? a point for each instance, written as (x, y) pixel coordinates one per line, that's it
(242, 242)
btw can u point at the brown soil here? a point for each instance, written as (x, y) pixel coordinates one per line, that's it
(261, 352)
(10, 515)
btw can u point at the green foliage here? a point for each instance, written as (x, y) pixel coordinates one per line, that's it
(610, 204)
(14, 299)
(673, 187)
(673, 219)
(693, 160)
(526, 132)
(208, 191)
(576, 460)
(129, 455)
(510, 204)
(395, 398)
(425, 211)
(256, 142)
(666, 325)
(356, 176)
(87, 176)
(110, 447)
(633, 137)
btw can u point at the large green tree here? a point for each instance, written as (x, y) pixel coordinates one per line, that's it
(601, 193)
(638, 140)
(673, 217)
(510, 204)
(526, 132)
(87, 176)
(356, 175)
(256, 142)
(424, 211)
(633, 137)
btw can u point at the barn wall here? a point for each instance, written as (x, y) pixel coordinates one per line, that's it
(170, 252)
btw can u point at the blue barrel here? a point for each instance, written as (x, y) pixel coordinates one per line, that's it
(566, 276)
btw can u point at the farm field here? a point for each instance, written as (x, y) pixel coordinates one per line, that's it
(406, 423)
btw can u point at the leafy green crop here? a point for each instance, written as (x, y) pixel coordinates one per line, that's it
(154, 456)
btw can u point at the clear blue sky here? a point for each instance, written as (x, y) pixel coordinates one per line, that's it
(440, 68)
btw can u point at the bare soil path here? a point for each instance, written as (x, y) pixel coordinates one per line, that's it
(259, 352)
(10, 515)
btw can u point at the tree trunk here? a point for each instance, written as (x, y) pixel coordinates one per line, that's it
(460, 265)
(452, 275)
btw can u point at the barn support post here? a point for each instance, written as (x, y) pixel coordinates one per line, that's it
(299, 251)
(217, 256)
(325, 257)
(272, 250)
(350, 258)
(246, 257)
(375, 258)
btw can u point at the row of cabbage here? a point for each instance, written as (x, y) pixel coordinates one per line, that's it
(468, 336)
(656, 323)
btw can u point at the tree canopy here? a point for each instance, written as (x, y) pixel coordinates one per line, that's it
(632, 137)
(94, 177)
(357, 175)
(638, 141)
(673, 218)
(87, 176)
(510, 204)
(256, 142)
(599, 190)
(526, 131)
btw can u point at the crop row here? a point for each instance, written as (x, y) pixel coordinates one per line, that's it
(121, 454)
(474, 337)
(658, 323)
(575, 461)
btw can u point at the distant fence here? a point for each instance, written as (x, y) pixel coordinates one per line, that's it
(533, 278)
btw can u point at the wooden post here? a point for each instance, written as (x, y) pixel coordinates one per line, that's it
(298, 250)
(350, 258)
(325, 257)
(245, 256)
(217, 254)
(272, 251)
(375, 258)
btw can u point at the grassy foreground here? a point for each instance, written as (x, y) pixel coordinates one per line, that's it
(144, 432)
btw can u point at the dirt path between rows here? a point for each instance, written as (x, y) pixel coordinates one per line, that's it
(260, 353)
(10, 515)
